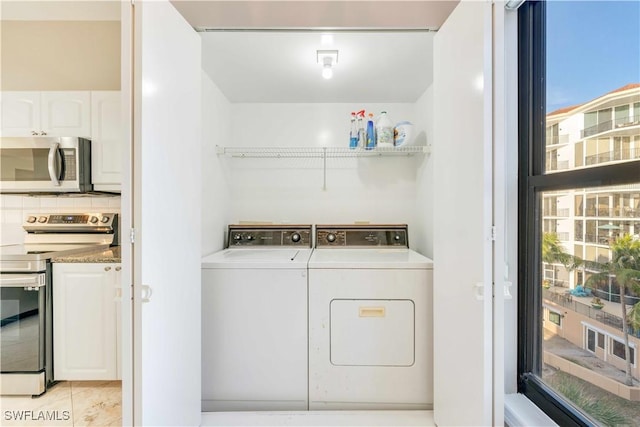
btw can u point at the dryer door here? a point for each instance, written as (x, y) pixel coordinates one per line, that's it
(372, 332)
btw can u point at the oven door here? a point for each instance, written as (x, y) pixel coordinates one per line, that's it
(43, 165)
(22, 322)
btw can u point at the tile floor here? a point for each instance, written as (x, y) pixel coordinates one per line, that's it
(68, 403)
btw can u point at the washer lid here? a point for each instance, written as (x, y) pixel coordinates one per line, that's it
(258, 258)
(368, 258)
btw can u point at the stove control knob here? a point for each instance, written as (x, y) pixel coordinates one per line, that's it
(104, 219)
(93, 219)
(31, 219)
(331, 237)
(295, 237)
(42, 219)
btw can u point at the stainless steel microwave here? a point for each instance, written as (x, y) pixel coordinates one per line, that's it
(45, 165)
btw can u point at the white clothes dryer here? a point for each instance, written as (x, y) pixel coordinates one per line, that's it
(370, 320)
(254, 320)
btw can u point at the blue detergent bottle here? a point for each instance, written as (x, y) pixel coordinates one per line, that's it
(371, 133)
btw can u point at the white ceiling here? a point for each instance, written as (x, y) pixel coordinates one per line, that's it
(374, 64)
(276, 66)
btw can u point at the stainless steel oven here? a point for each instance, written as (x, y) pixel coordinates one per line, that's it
(45, 165)
(26, 289)
(25, 330)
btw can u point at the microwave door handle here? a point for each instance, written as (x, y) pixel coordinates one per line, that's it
(54, 163)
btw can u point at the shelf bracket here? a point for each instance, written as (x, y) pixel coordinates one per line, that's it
(324, 168)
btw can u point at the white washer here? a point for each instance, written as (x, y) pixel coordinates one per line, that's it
(370, 320)
(254, 321)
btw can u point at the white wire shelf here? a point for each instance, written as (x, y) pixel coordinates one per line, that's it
(319, 152)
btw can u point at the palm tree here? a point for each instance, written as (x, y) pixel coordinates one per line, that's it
(625, 266)
(554, 253)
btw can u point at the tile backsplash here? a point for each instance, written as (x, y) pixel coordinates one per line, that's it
(15, 208)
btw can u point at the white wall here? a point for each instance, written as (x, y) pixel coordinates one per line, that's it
(423, 226)
(216, 125)
(15, 209)
(378, 190)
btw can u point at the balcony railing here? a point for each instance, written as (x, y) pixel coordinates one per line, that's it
(564, 213)
(602, 211)
(563, 237)
(611, 156)
(610, 125)
(557, 139)
(566, 300)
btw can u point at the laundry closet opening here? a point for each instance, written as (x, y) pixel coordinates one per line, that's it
(279, 111)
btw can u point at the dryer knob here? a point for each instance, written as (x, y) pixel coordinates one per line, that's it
(250, 237)
(237, 237)
(331, 237)
(295, 237)
(397, 237)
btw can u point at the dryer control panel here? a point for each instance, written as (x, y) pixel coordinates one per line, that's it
(361, 236)
(268, 235)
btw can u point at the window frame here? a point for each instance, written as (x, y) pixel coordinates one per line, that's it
(532, 182)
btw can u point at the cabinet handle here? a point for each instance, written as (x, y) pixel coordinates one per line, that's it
(118, 296)
(118, 268)
(107, 268)
(43, 133)
(34, 133)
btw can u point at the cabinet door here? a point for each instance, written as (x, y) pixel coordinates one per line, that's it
(84, 324)
(106, 141)
(66, 113)
(20, 113)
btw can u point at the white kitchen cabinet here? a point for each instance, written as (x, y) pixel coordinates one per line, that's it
(86, 304)
(106, 140)
(65, 113)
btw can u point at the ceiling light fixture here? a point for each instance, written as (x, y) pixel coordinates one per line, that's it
(327, 58)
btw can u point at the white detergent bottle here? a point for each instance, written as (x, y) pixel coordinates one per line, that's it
(384, 131)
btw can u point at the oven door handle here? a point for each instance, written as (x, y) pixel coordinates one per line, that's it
(22, 280)
(55, 159)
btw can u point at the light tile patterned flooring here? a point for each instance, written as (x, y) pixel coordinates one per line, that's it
(68, 403)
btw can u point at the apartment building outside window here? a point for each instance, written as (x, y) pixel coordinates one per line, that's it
(579, 231)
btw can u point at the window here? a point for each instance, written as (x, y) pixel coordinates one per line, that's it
(591, 340)
(601, 340)
(555, 318)
(591, 174)
(617, 349)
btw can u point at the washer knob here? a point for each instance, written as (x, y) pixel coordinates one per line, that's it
(295, 237)
(397, 237)
(31, 219)
(237, 237)
(331, 237)
(104, 219)
(42, 219)
(250, 237)
(93, 219)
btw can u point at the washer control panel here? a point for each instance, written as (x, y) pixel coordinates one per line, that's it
(361, 236)
(243, 235)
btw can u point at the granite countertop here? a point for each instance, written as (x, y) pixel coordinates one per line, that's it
(111, 254)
